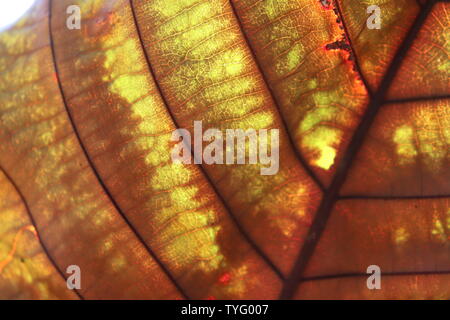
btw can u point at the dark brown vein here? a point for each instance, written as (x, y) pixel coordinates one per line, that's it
(95, 171)
(383, 274)
(376, 197)
(418, 99)
(332, 195)
(33, 222)
(236, 222)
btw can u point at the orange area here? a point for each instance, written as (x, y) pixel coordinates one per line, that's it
(86, 124)
(9, 257)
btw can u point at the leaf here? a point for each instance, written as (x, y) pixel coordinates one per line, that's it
(86, 118)
(26, 271)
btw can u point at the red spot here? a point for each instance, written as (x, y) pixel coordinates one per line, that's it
(225, 278)
(55, 77)
(211, 298)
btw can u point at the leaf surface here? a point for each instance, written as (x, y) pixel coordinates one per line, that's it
(86, 122)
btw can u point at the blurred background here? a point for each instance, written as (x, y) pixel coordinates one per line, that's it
(12, 10)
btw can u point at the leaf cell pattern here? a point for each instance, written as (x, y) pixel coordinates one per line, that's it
(86, 177)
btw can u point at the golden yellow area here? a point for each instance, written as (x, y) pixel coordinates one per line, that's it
(192, 236)
(428, 139)
(444, 65)
(401, 235)
(403, 137)
(290, 60)
(322, 140)
(441, 228)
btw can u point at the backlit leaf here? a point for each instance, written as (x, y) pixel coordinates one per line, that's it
(86, 176)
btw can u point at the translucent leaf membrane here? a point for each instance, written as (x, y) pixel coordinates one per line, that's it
(406, 152)
(408, 239)
(86, 118)
(408, 287)
(206, 72)
(400, 236)
(317, 90)
(126, 131)
(425, 71)
(76, 221)
(25, 269)
(375, 48)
